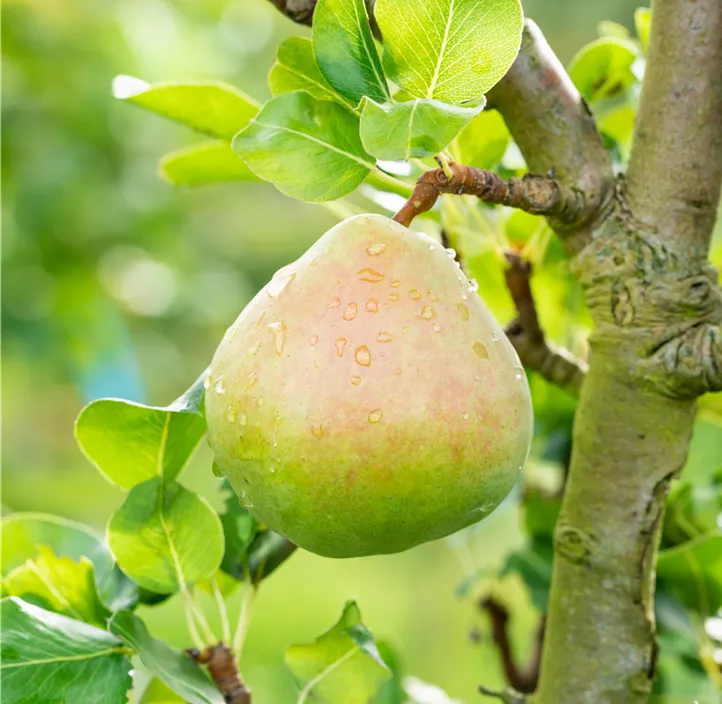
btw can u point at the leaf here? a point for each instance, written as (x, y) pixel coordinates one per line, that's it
(419, 128)
(213, 108)
(533, 564)
(308, 148)
(130, 443)
(23, 534)
(642, 23)
(612, 29)
(603, 68)
(201, 164)
(450, 50)
(158, 693)
(58, 584)
(693, 573)
(164, 536)
(345, 50)
(420, 692)
(52, 659)
(342, 665)
(239, 530)
(172, 667)
(483, 143)
(295, 68)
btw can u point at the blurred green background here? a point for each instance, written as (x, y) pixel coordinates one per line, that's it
(116, 284)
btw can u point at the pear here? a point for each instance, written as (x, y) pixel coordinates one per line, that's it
(366, 401)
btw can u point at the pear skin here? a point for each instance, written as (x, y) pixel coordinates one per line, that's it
(366, 401)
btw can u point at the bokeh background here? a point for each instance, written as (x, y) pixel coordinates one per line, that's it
(116, 284)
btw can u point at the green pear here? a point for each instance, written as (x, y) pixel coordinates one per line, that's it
(366, 401)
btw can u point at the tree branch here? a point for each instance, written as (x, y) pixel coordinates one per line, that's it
(534, 193)
(555, 364)
(554, 128)
(675, 167)
(300, 11)
(222, 668)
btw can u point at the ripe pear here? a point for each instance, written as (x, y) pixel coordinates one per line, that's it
(366, 401)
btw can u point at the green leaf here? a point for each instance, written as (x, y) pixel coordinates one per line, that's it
(541, 513)
(603, 68)
(201, 164)
(158, 693)
(172, 667)
(58, 584)
(52, 659)
(533, 564)
(612, 29)
(213, 108)
(345, 50)
(342, 665)
(693, 573)
(164, 536)
(295, 68)
(642, 22)
(419, 128)
(23, 534)
(308, 148)
(483, 143)
(130, 443)
(239, 530)
(450, 50)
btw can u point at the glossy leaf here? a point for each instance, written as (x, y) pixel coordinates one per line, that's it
(693, 572)
(239, 530)
(159, 693)
(482, 144)
(419, 128)
(173, 668)
(342, 665)
(58, 584)
(52, 659)
(213, 108)
(450, 50)
(296, 68)
(642, 22)
(308, 148)
(533, 564)
(22, 535)
(603, 69)
(345, 50)
(130, 443)
(201, 164)
(164, 535)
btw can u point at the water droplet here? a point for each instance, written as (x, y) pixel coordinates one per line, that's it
(519, 372)
(473, 285)
(274, 439)
(219, 388)
(398, 372)
(436, 327)
(231, 332)
(261, 400)
(405, 329)
(243, 419)
(373, 249)
(317, 431)
(481, 351)
(355, 380)
(335, 303)
(477, 377)
(375, 415)
(431, 295)
(363, 356)
(280, 280)
(385, 337)
(465, 416)
(207, 381)
(451, 252)
(494, 335)
(395, 283)
(251, 351)
(486, 507)
(245, 500)
(393, 296)
(231, 415)
(279, 336)
(413, 293)
(463, 310)
(251, 379)
(339, 345)
(313, 340)
(260, 318)
(427, 313)
(350, 312)
(314, 261)
(370, 275)
(372, 305)
(432, 247)
(272, 470)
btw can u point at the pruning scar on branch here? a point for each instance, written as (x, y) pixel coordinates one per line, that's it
(535, 193)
